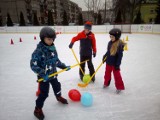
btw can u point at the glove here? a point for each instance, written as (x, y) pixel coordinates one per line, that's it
(104, 56)
(45, 78)
(68, 68)
(117, 67)
(70, 45)
(94, 54)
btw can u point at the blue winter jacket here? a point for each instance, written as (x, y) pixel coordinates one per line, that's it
(116, 59)
(45, 60)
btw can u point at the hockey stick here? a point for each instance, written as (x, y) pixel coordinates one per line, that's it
(51, 75)
(77, 60)
(85, 84)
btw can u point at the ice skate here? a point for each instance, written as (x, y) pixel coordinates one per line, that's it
(62, 100)
(39, 113)
(118, 91)
(105, 86)
(93, 79)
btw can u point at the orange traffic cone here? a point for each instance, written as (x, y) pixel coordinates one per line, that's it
(38, 91)
(12, 42)
(35, 38)
(20, 40)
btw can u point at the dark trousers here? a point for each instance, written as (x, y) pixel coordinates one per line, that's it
(44, 90)
(90, 65)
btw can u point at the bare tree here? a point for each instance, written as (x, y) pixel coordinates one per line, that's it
(107, 9)
(133, 5)
(121, 6)
(127, 8)
(93, 7)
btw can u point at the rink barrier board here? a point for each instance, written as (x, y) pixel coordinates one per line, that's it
(76, 33)
(98, 29)
(38, 33)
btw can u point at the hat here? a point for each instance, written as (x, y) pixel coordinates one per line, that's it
(88, 25)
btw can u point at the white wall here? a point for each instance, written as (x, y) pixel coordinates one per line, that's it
(96, 29)
(156, 28)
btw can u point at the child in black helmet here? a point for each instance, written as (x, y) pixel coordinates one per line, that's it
(114, 56)
(44, 62)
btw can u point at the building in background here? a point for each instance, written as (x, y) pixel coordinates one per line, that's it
(14, 7)
(107, 15)
(74, 11)
(53, 6)
(57, 8)
(40, 8)
(62, 6)
(88, 15)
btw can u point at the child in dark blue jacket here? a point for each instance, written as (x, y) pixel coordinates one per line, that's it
(44, 62)
(114, 56)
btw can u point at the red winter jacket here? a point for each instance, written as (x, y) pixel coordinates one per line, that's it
(87, 43)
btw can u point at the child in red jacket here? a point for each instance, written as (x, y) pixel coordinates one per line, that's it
(114, 56)
(87, 48)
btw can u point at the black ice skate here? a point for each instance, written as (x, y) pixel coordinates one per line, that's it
(39, 113)
(62, 100)
(93, 79)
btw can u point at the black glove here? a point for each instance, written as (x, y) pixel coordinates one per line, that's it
(94, 54)
(68, 68)
(104, 58)
(70, 45)
(117, 67)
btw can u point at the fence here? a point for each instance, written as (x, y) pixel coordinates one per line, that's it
(142, 28)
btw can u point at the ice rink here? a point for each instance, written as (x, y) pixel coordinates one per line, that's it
(140, 71)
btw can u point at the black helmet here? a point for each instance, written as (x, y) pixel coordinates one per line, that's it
(115, 32)
(47, 32)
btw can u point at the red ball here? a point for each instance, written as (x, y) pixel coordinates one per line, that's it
(74, 95)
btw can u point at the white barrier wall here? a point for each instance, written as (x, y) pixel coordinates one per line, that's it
(134, 28)
(156, 29)
(146, 28)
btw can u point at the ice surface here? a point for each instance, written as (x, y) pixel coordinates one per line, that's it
(140, 71)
